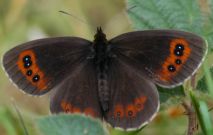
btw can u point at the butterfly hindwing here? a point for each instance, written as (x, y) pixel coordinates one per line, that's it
(78, 93)
(167, 57)
(39, 65)
(134, 100)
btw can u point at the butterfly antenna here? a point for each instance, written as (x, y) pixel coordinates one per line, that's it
(130, 8)
(20, 118)
(77, 18)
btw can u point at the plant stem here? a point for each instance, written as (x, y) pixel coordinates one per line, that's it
(192, 119)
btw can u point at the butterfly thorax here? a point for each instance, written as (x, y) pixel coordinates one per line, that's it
(100, 47)
(101, 62)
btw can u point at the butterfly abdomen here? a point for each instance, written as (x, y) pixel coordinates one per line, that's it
(103, 91)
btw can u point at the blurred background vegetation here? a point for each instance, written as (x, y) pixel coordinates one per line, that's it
(24, 20)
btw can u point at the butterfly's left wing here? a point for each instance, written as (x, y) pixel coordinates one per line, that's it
(167, 57)
(78, 93)
(133, 101)
(39, 65)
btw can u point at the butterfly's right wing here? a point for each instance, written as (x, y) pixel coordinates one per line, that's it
(134, 99)
(37, 66)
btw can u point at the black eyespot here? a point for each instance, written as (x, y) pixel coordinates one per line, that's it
(29, 72)
(130, 113)
(118, 114)
(67, 110)
(178, 52)
(179, 47)
(171, 68)
(27, 64)
(26, 58)
(178, 61)
(36, 78)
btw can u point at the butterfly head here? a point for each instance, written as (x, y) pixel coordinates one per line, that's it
(100, 36)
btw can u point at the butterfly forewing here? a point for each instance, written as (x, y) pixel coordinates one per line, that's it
(39, 65)
(167, 57)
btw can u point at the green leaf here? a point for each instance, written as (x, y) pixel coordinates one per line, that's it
(203, 115)
(187, 15)
(66, 124)
(205, 84)
(119, 132)
(166, 93)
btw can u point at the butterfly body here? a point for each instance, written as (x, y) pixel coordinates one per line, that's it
(114, 80)
(101, 59)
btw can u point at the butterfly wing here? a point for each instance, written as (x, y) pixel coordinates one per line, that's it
(39, 65)
(78, 93)
(134, 100)
(168, 57)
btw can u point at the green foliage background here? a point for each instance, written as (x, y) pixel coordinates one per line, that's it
(24, 20)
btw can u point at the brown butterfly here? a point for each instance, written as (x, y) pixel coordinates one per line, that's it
(112, 79)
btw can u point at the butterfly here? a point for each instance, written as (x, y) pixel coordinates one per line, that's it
(114, 80)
